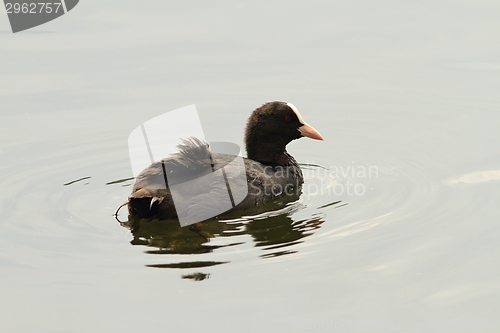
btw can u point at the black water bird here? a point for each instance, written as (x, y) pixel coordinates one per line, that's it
(270, 171)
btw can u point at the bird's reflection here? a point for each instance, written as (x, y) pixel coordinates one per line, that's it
(271, 227)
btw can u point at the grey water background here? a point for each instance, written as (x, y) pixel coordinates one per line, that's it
(411, 88)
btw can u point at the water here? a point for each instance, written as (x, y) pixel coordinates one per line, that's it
(405, 95)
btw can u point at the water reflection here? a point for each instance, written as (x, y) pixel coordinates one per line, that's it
(271, 227)
(77, 180)
(196, 276)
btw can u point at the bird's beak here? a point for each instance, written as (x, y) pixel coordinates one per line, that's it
(310, 132)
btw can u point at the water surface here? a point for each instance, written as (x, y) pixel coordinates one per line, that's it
(397, 225)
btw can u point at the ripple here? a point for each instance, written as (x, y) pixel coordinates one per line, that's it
(192, 264)
(73, 193)
(392, 193)
(57, 192)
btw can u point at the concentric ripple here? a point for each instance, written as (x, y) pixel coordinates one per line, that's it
(75, 195)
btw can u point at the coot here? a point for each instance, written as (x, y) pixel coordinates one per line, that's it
(270, 170)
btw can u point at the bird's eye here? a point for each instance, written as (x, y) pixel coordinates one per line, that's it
(287, 118)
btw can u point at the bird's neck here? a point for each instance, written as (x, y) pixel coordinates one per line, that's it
(270, 154)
